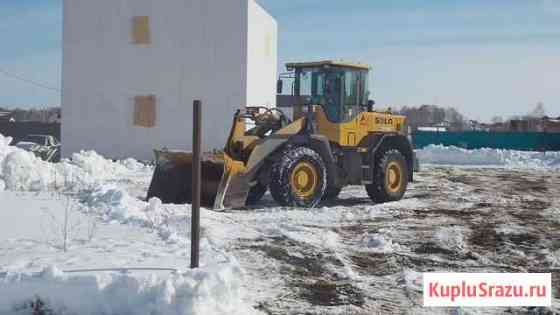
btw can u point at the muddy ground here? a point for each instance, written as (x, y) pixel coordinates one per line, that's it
(352, 257)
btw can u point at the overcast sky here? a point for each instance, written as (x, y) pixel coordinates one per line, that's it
(486, 58)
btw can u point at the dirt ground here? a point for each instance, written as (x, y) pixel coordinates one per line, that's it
(452, 219)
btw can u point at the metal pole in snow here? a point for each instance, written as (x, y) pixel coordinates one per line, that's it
(196, 179)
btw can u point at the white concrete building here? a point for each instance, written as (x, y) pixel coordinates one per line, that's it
(131, 69)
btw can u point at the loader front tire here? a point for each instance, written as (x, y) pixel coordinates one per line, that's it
(298, 178)
(391, 177)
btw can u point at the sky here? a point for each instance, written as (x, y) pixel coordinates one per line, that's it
(486, 58)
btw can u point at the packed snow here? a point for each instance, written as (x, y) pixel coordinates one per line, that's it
(107, 228)
(346, 257)
(32, 257)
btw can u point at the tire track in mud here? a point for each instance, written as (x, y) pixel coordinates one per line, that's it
(465, 220)
(517, 235)
(310, 275)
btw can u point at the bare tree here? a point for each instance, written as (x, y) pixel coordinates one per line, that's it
(538, 112)
(46, 114)
(432, 115)
(497, 120)
(60, 231)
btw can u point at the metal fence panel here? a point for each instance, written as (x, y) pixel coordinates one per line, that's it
(523, 141)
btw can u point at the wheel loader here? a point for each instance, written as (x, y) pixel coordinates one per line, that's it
(334, 138)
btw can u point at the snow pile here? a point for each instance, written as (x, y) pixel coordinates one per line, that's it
(112, 203)
(96, 166)
(132, 164)
(210, 290)
(553, 214)
(115, 204)
(100, 169)
(330, 240)
(5, 147)
(552, 258)
(451, 238)
(23, 171)
(438, 154)
(412, 280)
(379, 243)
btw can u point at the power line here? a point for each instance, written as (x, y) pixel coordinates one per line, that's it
(28, 81)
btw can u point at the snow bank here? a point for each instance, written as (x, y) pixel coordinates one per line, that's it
(438, 154)
(212, 290)
(23, 171)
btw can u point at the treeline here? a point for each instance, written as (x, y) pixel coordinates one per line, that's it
(46, 115)
(451, 119)
(434, 116)
(538, 113)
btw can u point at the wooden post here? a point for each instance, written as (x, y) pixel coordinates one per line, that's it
(196, 179)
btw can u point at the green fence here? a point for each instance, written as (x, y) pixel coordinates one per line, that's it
(523, 141)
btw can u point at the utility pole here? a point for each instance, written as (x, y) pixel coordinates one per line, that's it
(196, 179)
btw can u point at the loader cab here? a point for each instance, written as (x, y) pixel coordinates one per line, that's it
(341, 89)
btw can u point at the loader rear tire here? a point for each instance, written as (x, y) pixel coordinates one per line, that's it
(256, 193)
(298, 178)
(391, 177)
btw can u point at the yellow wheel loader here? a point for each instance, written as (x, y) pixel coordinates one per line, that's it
(334, 139)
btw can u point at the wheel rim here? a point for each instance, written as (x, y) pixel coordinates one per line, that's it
(304, 180)
(394, 177)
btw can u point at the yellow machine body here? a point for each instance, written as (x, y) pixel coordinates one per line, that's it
(225, 175)
(354, 132)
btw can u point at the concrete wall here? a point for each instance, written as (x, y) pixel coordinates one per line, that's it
(199, 50)
(262, 57)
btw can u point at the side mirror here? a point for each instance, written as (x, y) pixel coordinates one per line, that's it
(279, 86)
(370, 104)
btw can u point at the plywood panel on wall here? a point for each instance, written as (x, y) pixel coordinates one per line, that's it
(141, 30)
(145, 111)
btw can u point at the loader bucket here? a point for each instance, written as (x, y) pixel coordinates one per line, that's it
(223, 183)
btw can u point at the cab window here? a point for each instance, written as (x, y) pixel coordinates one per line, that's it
(351, 106)
(312, 84)
(341, 91)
